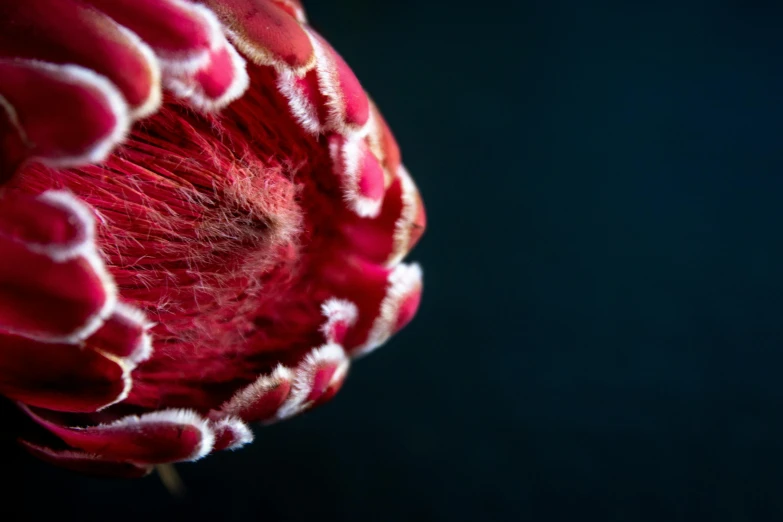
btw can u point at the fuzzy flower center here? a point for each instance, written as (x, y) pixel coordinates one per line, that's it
(202, 224)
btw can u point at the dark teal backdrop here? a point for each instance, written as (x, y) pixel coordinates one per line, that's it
(601, 336)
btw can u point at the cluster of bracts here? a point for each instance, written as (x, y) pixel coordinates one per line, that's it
(79, 353)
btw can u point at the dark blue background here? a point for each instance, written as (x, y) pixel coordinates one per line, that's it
(601, 336)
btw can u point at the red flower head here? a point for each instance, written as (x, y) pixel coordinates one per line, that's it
(202, 219)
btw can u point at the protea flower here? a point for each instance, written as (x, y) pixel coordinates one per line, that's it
(202, 219)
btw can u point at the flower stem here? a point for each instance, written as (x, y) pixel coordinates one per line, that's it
(171, 480)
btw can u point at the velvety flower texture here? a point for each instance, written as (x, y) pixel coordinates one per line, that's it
(202, 221)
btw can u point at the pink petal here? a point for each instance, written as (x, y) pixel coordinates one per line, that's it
(386, 299)
(53, 286)
(387, 238)
(305, 100)
(399, 306)
(124, 334)
(42, 298)
(360, 174)
(176, 30)
(153, 438)
(66, 114)
(343, 88)
(230, 433)
(220, 81)
(340, 316)
(68, 32)
(265, 33)
(45, 223)
(86, 462)
(314, 377)
(262, 399)
(60, 377)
